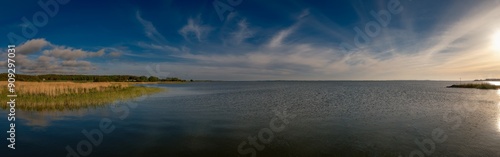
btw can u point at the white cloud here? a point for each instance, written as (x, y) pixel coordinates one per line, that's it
(66, 53)
(32, 46)
(75, 63)
(40, 56)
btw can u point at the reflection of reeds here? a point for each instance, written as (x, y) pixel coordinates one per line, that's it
(70, 95)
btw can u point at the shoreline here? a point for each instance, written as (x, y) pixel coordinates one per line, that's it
(475, 86)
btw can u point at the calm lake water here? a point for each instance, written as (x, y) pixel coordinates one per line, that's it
(337, 118)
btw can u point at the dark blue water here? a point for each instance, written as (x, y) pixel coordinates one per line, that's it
(339, 118)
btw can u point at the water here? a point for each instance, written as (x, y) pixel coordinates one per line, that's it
(338, 118)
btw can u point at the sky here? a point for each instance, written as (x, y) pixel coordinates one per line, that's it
(256, 39)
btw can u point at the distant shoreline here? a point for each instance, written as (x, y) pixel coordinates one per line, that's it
(475, 85)
(90, 78)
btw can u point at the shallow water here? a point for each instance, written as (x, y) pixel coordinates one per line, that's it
(330, 118)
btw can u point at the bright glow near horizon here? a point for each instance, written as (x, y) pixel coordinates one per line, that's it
(496, 40)
(496, 83)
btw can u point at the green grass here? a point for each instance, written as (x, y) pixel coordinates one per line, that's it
(70, 101)
(475, 85)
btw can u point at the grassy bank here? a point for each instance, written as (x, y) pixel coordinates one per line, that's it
(475, 85)
(70, 95)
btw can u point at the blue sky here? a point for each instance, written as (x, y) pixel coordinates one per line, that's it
(257, 39)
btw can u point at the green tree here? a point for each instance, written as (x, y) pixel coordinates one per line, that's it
(142, 79)
(153, 79)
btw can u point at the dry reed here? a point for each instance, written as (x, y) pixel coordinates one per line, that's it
(70, 95)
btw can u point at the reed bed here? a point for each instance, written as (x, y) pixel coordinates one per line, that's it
(71, 95)
(475, 85)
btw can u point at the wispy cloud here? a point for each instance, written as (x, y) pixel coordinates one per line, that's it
(303, 14)
(115, 54)
(277, 40)
(242, 33)
(160, 42)
(150, 30)
(194, 27)
(161, 47)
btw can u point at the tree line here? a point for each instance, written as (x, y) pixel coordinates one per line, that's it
(90, 78)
